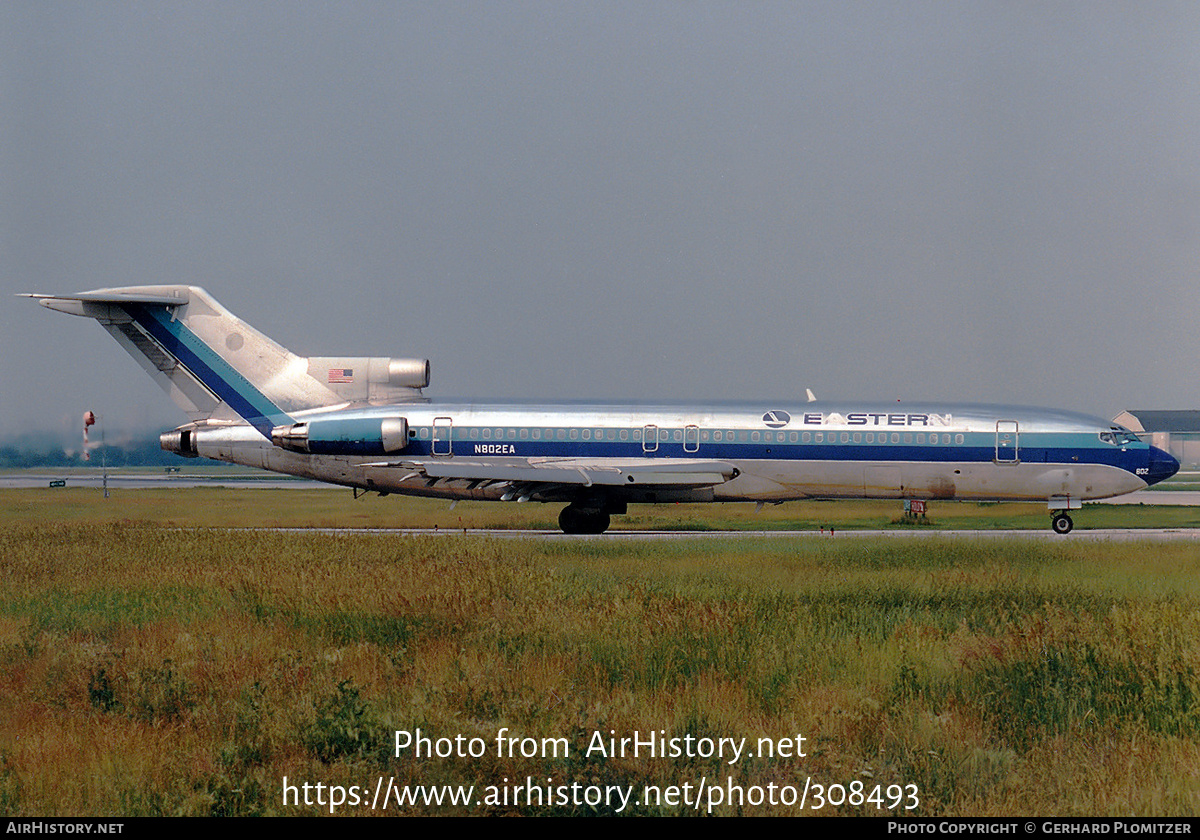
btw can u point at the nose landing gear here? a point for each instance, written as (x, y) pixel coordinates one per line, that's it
(1061, 523)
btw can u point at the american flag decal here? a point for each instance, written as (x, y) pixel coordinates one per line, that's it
(337, 375)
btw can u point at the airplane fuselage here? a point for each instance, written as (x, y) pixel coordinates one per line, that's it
(780, 452)
(364, 422)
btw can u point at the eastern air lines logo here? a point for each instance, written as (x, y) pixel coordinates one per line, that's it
(777, 419)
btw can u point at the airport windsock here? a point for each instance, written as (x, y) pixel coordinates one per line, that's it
(89, 419)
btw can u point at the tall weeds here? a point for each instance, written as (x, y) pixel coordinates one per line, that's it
(145, 670)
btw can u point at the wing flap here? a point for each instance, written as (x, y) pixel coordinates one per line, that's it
(587, 473)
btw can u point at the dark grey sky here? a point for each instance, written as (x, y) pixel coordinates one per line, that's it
(960, 201)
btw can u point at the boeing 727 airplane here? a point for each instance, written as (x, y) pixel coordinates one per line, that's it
(365, 423)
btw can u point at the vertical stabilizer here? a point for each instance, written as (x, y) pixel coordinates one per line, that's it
(211, 363)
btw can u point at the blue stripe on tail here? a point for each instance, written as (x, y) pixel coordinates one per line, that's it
(207, 366)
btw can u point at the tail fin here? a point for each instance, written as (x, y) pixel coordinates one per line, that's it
(212, 364)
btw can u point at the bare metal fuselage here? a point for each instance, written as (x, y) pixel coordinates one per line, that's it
(939, 452)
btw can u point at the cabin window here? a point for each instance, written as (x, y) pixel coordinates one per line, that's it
(895, 437)
(574, 434)
(958, 439)
(587, 434)
(474, 433)
(487, 434)
(524, 434)
(858, 437)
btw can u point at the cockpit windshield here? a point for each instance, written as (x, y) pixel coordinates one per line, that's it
(1118, 436)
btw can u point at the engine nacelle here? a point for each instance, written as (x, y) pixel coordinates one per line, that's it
(370, 379)
(180, 441)
(410, 373)
(349, 436)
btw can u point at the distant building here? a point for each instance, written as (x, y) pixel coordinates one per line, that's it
(1178, 432)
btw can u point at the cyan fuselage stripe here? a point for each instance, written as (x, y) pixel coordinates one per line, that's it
(206, 365)
(1129, 460)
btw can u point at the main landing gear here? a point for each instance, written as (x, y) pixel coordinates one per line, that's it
(1061, 523)
(579, 520)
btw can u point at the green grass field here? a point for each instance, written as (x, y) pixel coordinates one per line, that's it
(152, 669)
(334, 507)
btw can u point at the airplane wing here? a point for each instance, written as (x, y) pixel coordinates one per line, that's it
(608, 472)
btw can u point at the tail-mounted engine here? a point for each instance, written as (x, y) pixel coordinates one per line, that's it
(348, 436)
(374, 380)
(180, 441)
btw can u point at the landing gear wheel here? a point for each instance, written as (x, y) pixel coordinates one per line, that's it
(576, 520)
(1061, 523)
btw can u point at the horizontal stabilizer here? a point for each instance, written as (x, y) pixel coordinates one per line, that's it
(102, 296)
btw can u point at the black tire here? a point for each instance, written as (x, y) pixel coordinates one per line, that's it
(574, 520)
(597, 522)
(569, 520)
(1062, 524)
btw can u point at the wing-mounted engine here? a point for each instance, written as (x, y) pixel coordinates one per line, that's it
(377, 380)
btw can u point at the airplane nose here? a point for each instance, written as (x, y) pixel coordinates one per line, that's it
(1160, 466)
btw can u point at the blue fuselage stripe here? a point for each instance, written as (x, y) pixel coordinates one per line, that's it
(1042, 453)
